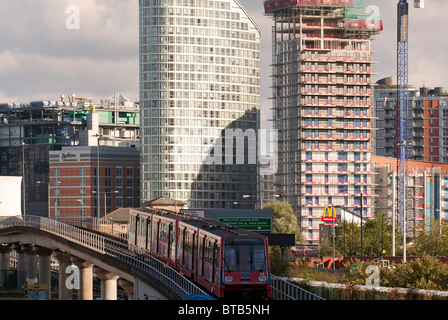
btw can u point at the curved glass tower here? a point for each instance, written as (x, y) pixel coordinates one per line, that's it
(199, 75)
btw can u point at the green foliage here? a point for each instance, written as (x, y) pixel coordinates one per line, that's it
(278, 265)
(422, 273)
(433, 241)
(284, 219)
(377, 236)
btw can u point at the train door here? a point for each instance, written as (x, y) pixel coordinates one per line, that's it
(208, 259)
(194, 252)
(148, 233)
(180, 246)
(216, 262)
(137, 223)
(171, 254)
(201, 254)
(189, 249)
(155, 236)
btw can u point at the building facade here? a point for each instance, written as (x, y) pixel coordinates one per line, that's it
(428, 192)
(428, 122)
(76, 188)
(199, 75)
(29, 131)
(323, 106)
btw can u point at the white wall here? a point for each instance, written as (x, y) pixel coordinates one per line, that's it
(10, 196)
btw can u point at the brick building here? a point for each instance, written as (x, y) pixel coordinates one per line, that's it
(74, 186)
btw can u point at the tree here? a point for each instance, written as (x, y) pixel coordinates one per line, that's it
(348, 238)
(377, 236)
(432, 241)
(284, 219)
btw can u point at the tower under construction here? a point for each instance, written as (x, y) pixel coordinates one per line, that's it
(323, 106)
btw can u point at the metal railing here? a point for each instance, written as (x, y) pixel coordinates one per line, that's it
(115, 230)
(284, 290)
(76, 229)
(137, 259)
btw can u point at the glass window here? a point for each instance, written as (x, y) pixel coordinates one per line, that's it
(244, 255)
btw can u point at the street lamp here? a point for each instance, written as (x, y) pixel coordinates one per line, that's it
(23, 178)
(49, 195)
(105, 199)
(362, 256)
(247, 196)
(81, 203)
(48, 184)
(98, 212)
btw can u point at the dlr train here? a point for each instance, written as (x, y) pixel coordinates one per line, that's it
(226, 261)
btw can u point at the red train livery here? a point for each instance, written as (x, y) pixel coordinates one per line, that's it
(227, 262)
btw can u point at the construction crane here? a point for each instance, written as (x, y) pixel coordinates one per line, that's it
(402, 110)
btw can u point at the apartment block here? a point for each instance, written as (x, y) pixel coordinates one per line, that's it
(427, 118)
(323, 106)
(199, 75)
(428, 192)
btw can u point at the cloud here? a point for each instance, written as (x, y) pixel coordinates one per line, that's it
(81, 75)
(40, 56)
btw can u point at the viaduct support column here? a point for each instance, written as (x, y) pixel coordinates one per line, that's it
(128, 287)
(44, 265)
(31, 263)
(21, 266)
(108, 284)
(64, 261)
(5, 254)
(86, 281)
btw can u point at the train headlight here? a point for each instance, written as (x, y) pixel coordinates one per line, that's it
(228, 279)
(262, 278)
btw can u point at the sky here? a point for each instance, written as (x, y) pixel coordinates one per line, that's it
(41, 58)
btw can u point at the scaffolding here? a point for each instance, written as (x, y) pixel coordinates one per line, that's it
(322, 70)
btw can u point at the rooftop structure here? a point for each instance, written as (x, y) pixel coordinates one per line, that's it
(29, 131)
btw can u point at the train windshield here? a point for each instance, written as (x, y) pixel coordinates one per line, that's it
(244, 255)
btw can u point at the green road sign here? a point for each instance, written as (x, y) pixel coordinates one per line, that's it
(251, 224)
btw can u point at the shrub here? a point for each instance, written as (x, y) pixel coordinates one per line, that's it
(426, 273)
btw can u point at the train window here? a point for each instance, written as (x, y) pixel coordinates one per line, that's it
(142, 226)
(244, 255)
(133, 218)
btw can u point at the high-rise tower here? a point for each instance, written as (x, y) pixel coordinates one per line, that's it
(323, 108)
(199, 74)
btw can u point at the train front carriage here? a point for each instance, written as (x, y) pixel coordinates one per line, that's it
(226, 261)
(245, 269)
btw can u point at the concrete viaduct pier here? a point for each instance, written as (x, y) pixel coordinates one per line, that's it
(80, 256)
(34, 264)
